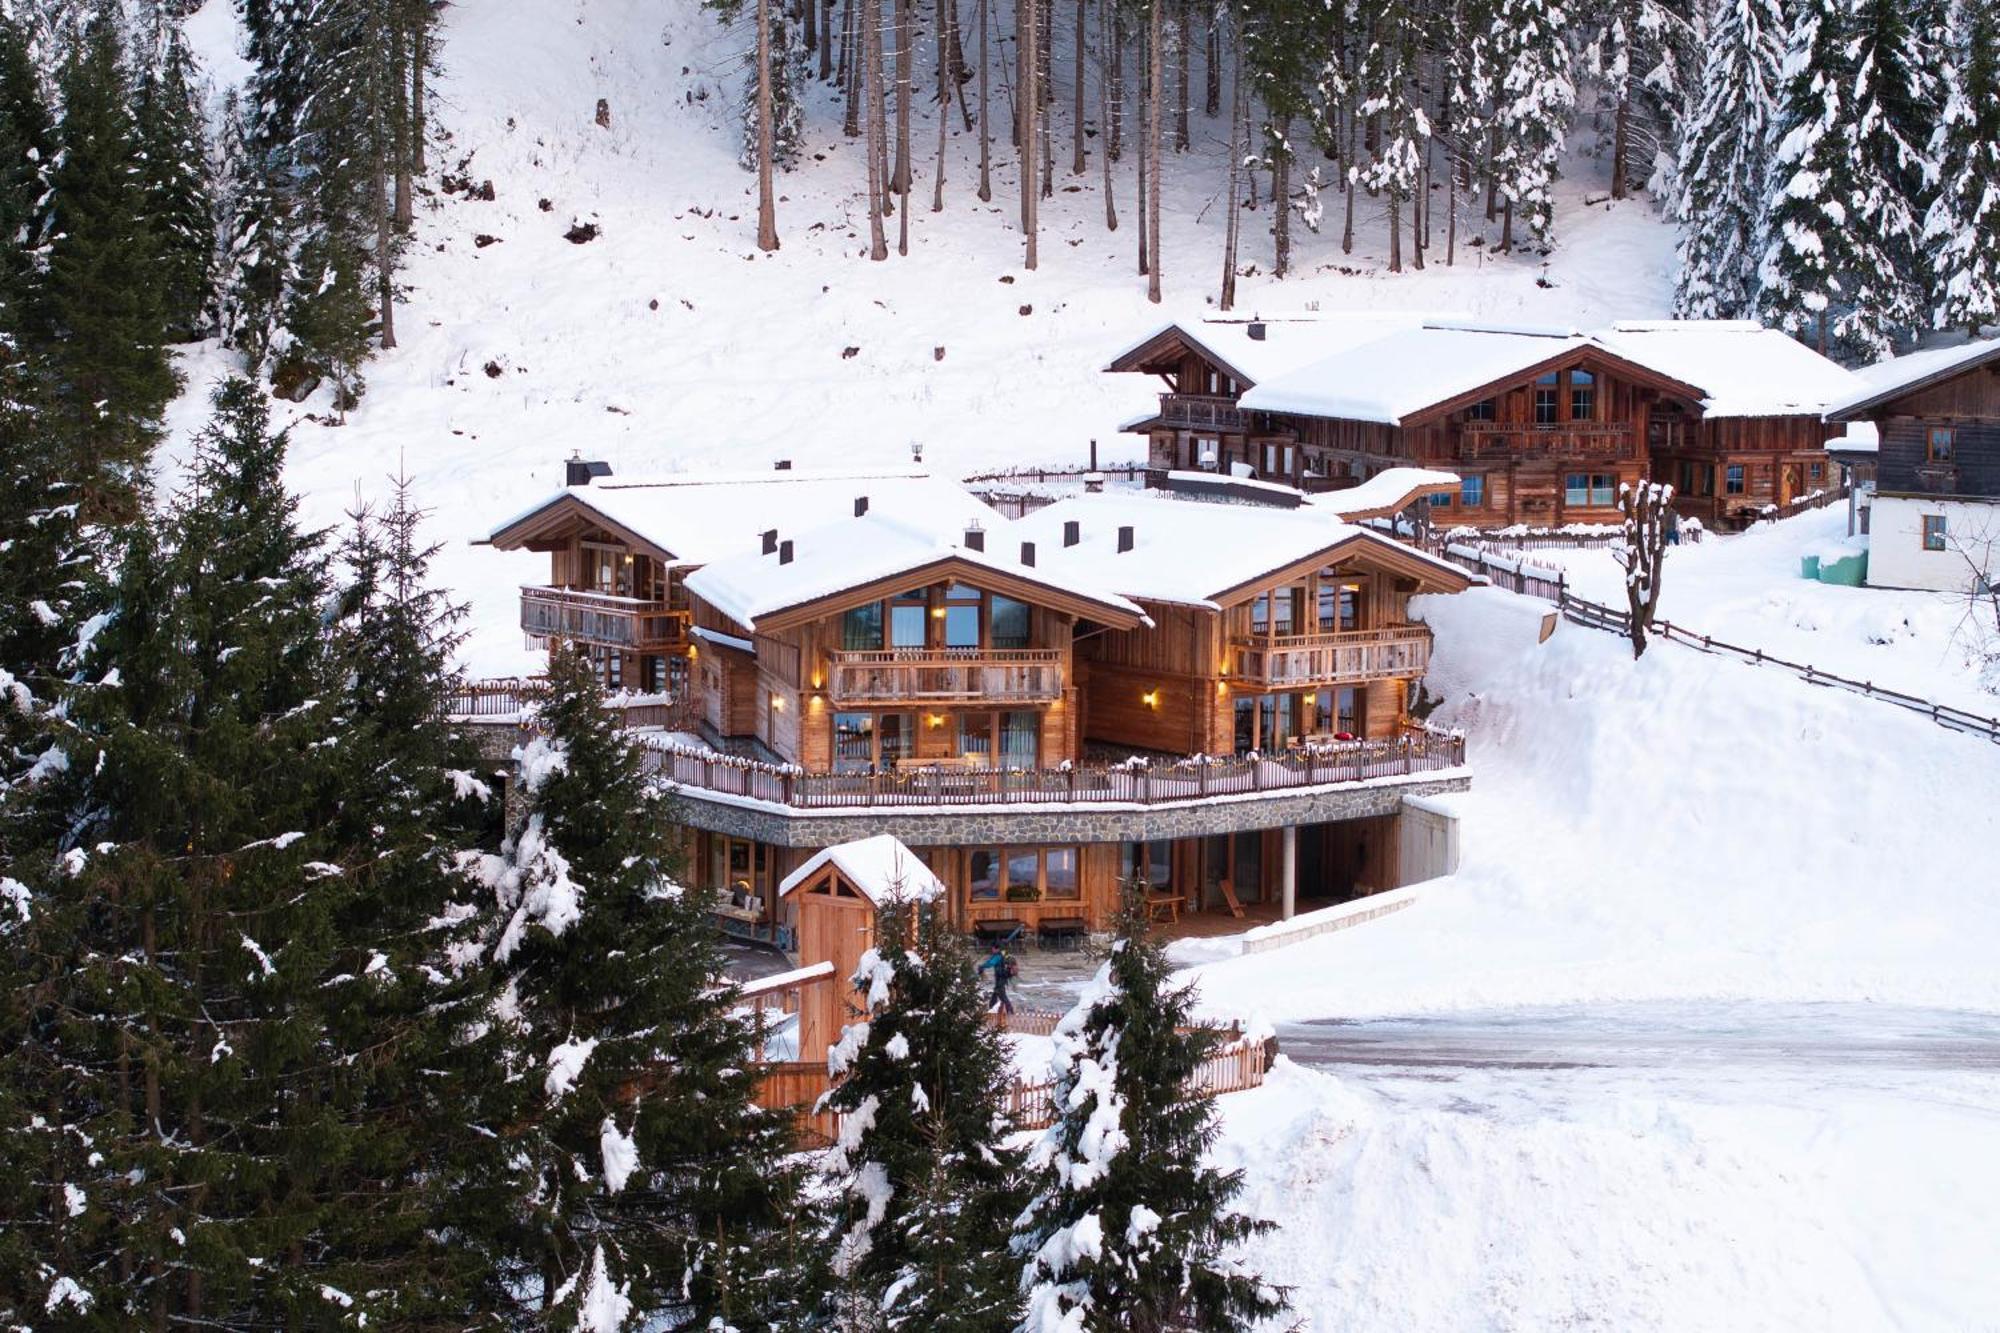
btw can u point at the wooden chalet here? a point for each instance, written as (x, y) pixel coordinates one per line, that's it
(1934, 519)
(1543, 426)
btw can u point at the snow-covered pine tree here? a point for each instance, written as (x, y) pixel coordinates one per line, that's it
(178, 193)
(1402, 130)
(1465, 96)
(1723, 172)
(1128, 1229)
(1962, 228)
(1636, 56)
(634, 1179)
(924, 1186)
(1286, 64)
(789, 74)
(27, 151)
(1811, 250)
(1895, 111)
(105, 322)
(1534, 100)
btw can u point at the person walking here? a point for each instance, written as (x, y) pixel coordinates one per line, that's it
(1003, 967)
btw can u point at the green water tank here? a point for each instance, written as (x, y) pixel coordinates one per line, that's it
(1850, 571)
(1808, 566)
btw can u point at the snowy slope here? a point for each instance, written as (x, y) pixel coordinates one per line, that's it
(670, 342)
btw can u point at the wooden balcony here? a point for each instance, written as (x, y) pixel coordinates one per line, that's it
(947, 675)
(1348, 658)
(1503, 441)
(602, 620)
(1194, 411)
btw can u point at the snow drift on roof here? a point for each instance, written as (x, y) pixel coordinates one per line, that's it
(1289, 341)
(1386, 492)
(1407, 371)
(1887, 378)
(1745, 369)
(881, 867)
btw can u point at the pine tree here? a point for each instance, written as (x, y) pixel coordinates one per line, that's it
(1128, 1229)
(27, 152)
(179, 202)
(789, 74)
(1724, 166)
(637, 1176)
(924, 1185)
(1962, 229)
(1402, 136)
(1895, 111)
(1535, 98)
(101, 294)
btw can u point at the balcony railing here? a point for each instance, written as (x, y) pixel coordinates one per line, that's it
(1552, 440)
(602, 619)
(1937, 478)
(947, 675)
(1202, 412)
(509, 701)
(1349, 657)
(1414, 753)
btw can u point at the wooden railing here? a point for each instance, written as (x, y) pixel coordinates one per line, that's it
(947, 675)
(503, 700)
(1333, 658)
(1136, 783)
(1202, 412)
(1554, 440)
(581, 616)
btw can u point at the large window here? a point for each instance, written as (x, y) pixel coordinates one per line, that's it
(985, 873)
(908, 623)
(865, 742)
(1010, 739)
(961, 616)
(1582, 395)
(1275, 612)
(1010, 622)
(1547, 396)
(1339, 607)
(1024, 874)
(1472, 492)
(1148, 863)
(1483, 410)
(861, 628)
(1935, 537)
(1590, 488)
(1732, 480)
(1336, 712)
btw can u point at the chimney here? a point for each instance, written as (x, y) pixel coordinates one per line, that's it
(770, 538)
(916, 452)
(860, 505)
(785, 552)
(1093, 483)
(1124, 538)
(975, 538)
(1028, 554)
(782, 465)
(1256, 331)
(577, 472)
(1072, 532)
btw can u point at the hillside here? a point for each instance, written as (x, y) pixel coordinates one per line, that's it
(669, 342)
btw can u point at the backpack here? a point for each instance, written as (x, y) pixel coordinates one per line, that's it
(1010, 969)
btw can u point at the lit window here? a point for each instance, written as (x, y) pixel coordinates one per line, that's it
(1934, 532)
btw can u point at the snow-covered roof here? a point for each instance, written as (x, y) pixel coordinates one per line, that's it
(1288, 342)
(701, 517)
(1899, 375)
(1387, 492)
(1392, 377)
(832, 558)
(1743, 368)
(1190, 552)
(881, 867)
(1861, 437)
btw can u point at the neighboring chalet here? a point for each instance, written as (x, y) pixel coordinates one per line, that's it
(1934, 521)
(1542, 425)
(1212, 700)
(620, 551)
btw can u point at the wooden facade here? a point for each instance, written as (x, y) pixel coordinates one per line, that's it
(1548, 445)
(1940, 435)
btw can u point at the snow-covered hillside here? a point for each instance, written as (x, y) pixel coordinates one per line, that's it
(670, 342)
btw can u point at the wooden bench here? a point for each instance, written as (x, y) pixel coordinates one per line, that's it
(1163, 907)
(1061, 932)
(998, 930)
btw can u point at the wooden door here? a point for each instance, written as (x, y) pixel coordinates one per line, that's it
(836, 925)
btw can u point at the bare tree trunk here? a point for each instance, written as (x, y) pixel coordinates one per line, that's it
(1156, 52)
(404, 212)
(1621, 127)
(1027, 108)
(1077, 164)
(809, 18)
(943, 98)
(1117, 133)
(853, 45)
(1395, 231)
(870, 26)
(1213, 65)
(985, 121)
(826, 43)
(420, 56)
(1045, 88)
(1182, 58)
(1281, 201)
(900, 181)
(1347, 175)
(961, 73)
(1105, 33)
(1232, 225)
(1492, 181)
(1507, 226)
(384, 266)
(767, 203)
(1143, 174)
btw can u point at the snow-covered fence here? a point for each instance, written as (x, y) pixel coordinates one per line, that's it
(1509, 571)
(1025, 1022)
(1194, 778)
(1595, 615)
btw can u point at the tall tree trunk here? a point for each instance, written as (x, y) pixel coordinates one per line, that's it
(1232, 224)
(1492, 180)
(944, 8)
(1347, 176)
(1212, 67)
(1420, 220)
(1156, 53)
(870, 32)
(767, 203)
(1395, 230)
(1506, 226)
(985, 120)
(385, 272)
(809, 19)
(961, 73)
(1105, 30)
(1143, 174)
(420, 56)
(1027, 108)
(826, 35)
(900, 180)
(1116, 136)
(1045, 88)
(1182, 57)
(1077, 165)
(1621, 128)
(1281, 201)
(404, 211)
(853, 45)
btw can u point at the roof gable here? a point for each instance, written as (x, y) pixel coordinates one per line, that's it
(1883, 383)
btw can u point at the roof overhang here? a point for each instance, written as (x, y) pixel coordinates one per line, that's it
(1591, 352)
(1855, 410)
(562, 513)
(1141, 355)
(1431, 574)
(954, 567)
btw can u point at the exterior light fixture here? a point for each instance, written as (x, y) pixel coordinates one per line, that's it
(1151, 698)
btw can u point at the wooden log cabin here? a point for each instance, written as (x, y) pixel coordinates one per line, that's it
(1934, 519)
(1043, 709)
(1543, 426)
